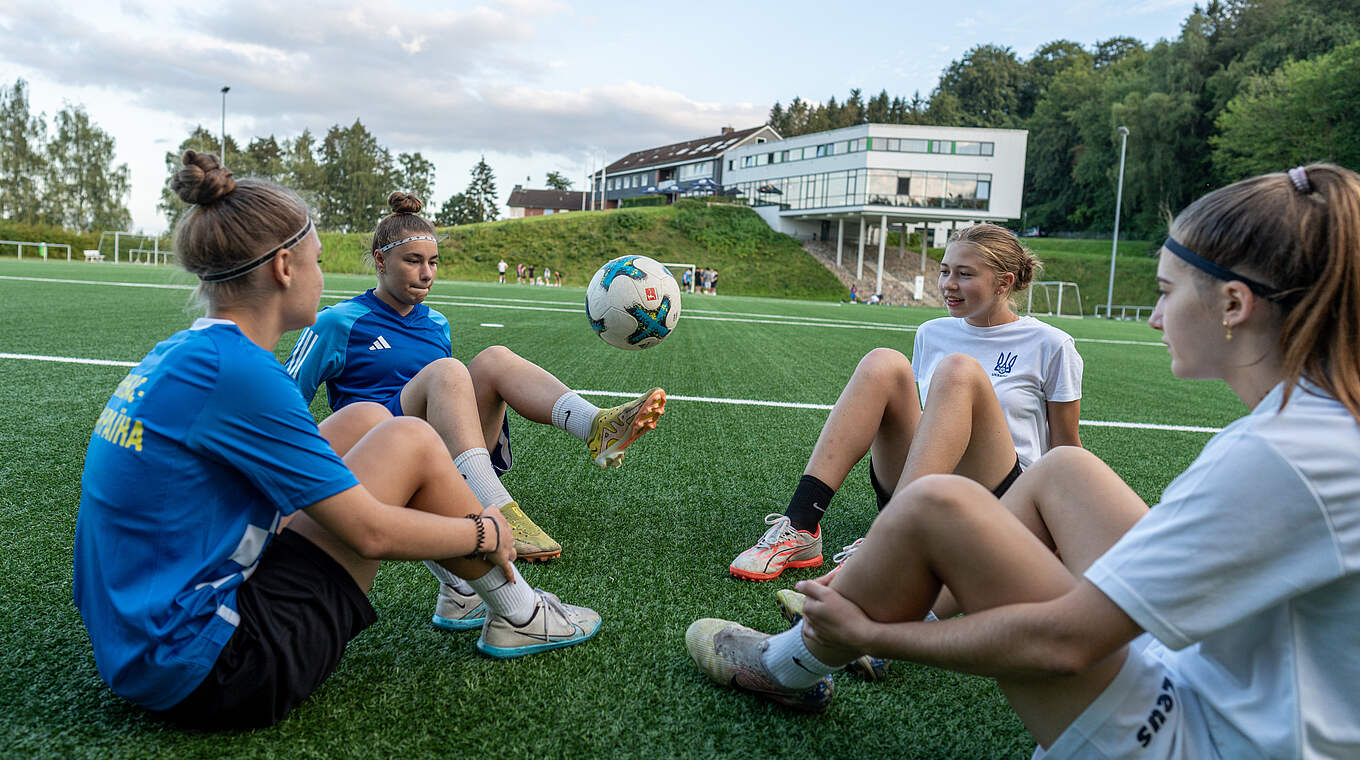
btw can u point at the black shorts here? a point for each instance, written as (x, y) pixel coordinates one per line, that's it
(298, 611)
(883, 495)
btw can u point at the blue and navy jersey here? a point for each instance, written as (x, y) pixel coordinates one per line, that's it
(200, 451)
(363, 350)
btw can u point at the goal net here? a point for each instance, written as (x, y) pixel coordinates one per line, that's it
(1052, 298)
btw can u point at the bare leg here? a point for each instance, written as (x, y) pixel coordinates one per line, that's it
(1069, 499)
(963, 426)
(950, 531)
(878, 411)
(442, 394)
(400, 461)
(500, 377)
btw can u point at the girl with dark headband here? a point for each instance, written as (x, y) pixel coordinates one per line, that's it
(1222, 622)
(225, 544)
(386, 346)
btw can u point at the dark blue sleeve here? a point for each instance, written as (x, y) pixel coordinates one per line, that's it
(256, 422)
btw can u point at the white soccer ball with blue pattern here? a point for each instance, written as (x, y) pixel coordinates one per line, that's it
(633, 302)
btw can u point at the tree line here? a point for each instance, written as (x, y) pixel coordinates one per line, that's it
(1248, 86)
(63, 174)
(345, 177)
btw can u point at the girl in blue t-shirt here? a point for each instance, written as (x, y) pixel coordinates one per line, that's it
(224, 543)
(387, 346)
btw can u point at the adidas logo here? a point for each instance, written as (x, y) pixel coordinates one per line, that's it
(379, 344)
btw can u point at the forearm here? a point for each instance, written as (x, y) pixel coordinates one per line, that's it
(1015, 642)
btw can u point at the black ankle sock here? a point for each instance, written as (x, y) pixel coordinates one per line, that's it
(809, 503)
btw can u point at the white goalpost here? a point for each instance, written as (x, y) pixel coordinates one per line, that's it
(683, 267)
(1052, 295)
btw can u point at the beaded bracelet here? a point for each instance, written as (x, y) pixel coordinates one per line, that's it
(481, 536)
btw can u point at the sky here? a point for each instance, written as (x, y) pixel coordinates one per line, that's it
(533, 85)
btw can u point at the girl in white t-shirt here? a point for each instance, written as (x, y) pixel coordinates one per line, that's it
(1221, 623)
(999, 390)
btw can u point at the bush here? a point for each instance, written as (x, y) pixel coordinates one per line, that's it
(642, 200)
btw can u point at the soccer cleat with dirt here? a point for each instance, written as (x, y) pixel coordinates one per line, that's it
(865, 666)
(781, 548)
(730, 654)
(455, 611)
(531, 543)
(613, 430)
(552, 625)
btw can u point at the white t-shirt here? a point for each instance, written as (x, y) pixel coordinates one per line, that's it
(500, 267)
(1029, 362)
(1250, 568)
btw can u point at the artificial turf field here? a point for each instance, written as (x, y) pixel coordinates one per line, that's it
(647, 544)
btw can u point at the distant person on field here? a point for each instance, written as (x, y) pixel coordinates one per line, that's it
(687, 281)
(225, 545)
(500, 270)
(529, 274)
(1219, 624)
(713, 285)
(854, 293)
(558, 274)
(386, 346)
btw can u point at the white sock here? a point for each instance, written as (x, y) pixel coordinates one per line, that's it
(574, 414)
(513, 601)
(789, 661)
(475, 465)
(446, 577)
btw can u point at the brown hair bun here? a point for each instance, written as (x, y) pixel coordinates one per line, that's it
(404, 203)
(203, 179)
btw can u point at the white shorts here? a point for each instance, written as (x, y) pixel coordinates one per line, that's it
(1144, 713)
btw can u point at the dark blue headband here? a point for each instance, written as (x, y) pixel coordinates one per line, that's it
(1220, 272)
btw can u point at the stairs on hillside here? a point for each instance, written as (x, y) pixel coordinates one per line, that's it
(898, 272)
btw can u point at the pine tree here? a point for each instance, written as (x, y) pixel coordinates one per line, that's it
(481, 194)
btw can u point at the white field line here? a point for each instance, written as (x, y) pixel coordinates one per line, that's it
(522, 304)
(669, 397)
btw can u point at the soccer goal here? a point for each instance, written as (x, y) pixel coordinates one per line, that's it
(680, 280)
(1052, 298)
(133, 247)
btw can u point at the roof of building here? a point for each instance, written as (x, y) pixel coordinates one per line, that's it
(691, 150)
(521, 198)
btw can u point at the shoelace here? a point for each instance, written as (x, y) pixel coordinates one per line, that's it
(846, 553)
(551, 600)
(781, 529)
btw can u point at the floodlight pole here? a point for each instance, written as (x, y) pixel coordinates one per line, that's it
(1118, 201)
(224, 125)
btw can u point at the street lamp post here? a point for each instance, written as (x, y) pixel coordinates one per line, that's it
(1118, 201)
(224, 125)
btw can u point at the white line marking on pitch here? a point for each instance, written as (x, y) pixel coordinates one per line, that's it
(669, 397)
(499, 303)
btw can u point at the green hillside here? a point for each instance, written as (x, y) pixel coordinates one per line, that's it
(751, 259)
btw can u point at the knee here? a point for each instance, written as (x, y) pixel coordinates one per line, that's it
(446, 373)
(959, 371)
(885, 365)
(411, 438)
(351, 422)
(928, 503)
(489, 360)
(1063, 458)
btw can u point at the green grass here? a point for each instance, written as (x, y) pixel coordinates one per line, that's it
(647, 544)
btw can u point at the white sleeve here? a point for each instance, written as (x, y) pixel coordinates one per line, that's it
(1062, 377)
(1238, 532)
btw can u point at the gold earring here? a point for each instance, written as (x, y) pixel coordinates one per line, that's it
(1229, 329)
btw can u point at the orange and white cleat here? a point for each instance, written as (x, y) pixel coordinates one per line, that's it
(781, 548)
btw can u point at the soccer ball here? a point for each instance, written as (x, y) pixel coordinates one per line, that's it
(633, 302)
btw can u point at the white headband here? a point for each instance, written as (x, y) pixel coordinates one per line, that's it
(390, 246)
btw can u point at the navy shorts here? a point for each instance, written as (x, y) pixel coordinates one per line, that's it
(298, 611)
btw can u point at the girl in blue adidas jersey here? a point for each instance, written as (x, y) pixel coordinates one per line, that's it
(388, 347)
(199, 606)
(1219, 624)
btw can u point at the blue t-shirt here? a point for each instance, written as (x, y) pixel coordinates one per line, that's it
(199, 452)
(363, 350)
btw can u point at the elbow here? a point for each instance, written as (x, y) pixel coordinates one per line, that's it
(370, 544)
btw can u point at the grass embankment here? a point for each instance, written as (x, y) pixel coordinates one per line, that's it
(751, 258)
(1087, 263)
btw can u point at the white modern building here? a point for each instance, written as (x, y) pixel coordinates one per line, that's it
(858, 182)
